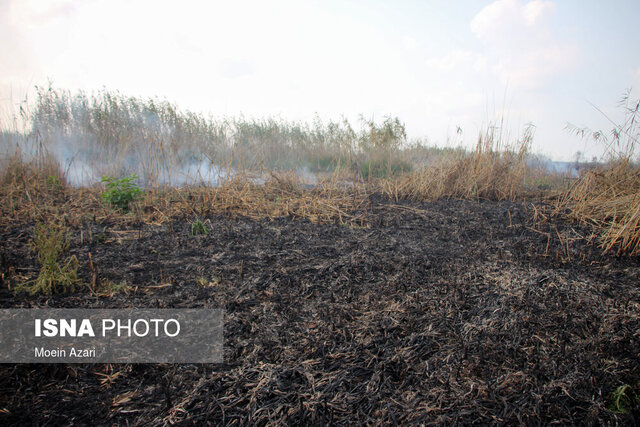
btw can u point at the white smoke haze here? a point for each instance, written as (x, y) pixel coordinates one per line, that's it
(106, 133)
(83, 164)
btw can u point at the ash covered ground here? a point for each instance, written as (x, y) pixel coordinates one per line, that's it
(435, 312)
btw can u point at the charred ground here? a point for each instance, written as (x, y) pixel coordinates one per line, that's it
(432, 312)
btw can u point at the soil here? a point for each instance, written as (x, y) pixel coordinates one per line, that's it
(444, 312)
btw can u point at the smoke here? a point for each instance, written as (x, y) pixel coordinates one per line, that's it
(195, 173)
(83, 162)
(106, 133)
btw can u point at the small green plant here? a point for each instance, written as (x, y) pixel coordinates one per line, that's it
(543, 183)
(54, 183)
(99, 237)
(121, 193)
(198, 228)
(51, 242)
(623, 400)
(206, 283)
(108, 288)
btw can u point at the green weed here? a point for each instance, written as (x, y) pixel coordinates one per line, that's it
(623, 400)
(198, 228)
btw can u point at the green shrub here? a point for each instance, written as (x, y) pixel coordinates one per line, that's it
(121, 193)
(51, 242)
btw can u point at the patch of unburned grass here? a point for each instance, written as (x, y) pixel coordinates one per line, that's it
(277, 195)
(51, 243)
(608, 197)
(29, 184)
(495, 170)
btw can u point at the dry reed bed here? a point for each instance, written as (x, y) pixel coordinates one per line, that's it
(36, 190)
(609, 199)
(493, 171)
(156, 136)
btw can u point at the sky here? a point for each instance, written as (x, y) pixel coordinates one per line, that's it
(438, 65)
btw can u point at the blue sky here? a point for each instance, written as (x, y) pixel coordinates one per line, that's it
(436, 65)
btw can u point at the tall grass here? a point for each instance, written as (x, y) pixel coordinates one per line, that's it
(244, 164)
(609, 196)
(496, 169)
(106, 133)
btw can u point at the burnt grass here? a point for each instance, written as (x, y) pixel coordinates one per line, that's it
(444, 312)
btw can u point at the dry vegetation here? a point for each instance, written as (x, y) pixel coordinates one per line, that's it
(192, 164)
(495, 170)
(608, 197)
(509, 294)
(610, 200)
(248, 167)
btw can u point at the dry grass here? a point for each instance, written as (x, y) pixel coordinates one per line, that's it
(494, 170)
(160, 143)
(27, 199)
(28, 186)
(43, 171)
(609, 197)
(280, 195)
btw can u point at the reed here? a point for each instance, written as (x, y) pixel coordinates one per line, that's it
(191, 164)
(608, 197)
(496, 170)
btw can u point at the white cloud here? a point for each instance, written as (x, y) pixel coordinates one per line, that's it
(455, 84)
(503, 20)
(37, 13)
(456, 59)
(537, 10)
(519, 44)
(409, 43)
